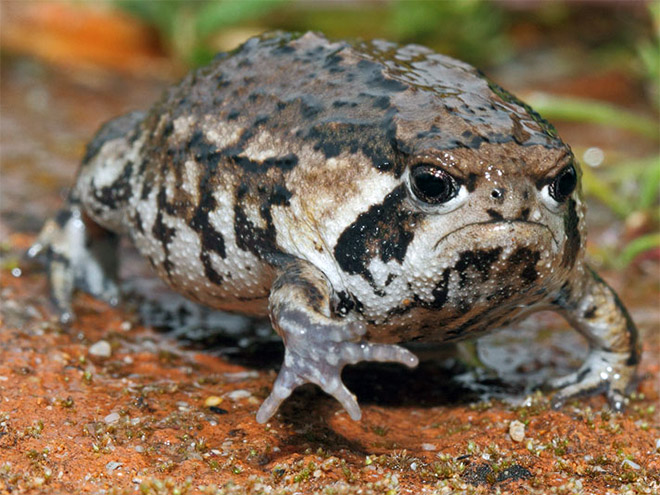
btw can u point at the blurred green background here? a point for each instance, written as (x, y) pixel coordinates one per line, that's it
(592, 68)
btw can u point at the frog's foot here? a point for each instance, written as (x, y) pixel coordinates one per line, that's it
(317, 345)
(602, 372)
(79, 255)
(316, 352)
(597, 313)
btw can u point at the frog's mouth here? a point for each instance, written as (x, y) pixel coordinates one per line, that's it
(498, 232)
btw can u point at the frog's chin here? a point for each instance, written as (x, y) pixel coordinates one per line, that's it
(506, 234)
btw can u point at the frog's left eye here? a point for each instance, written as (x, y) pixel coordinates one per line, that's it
(564, 184)
(432, 184)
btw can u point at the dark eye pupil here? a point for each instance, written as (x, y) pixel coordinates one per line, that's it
(433, 185)
(564, 184)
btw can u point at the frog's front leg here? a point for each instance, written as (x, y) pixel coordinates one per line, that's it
(614, 352)
(317, 344)
(79, 254)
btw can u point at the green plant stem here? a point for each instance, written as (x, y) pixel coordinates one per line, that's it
(598, 188)
(636, 247)
(583, 110)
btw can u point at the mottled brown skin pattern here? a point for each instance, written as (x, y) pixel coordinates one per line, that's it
(360, 194)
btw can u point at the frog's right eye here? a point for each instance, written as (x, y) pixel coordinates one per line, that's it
(432, 184)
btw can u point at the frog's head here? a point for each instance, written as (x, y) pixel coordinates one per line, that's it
(486, 212)
(494, 221)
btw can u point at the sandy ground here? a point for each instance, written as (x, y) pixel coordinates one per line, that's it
(110, 405)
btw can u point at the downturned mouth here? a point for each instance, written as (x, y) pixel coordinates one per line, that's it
(503, 224)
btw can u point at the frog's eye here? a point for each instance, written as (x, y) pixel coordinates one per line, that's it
(563, 185)
(432, 184)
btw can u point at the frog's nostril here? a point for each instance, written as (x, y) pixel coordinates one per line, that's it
(497, 193)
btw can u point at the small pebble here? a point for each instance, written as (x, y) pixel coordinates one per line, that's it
(111, 418)
(240, 376)
(429, 447)
(239, 394)
(101, 349)
(112, 465)
(517, 431)
(628, 462)
(212, 400)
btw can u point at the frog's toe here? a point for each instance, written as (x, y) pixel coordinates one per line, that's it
(285, 383)
(581, 389)
(354, 352)
(562, 381)
(602, 372)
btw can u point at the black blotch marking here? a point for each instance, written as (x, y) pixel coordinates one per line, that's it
(471, 182)
(168, 129)
(382, 102)
(259, 241)
(211, 240)
(261, 119)
(119, 192)
(205, 153)
(494, 214)
(374, 141)
(137, 222)
(309, 109)
(528, 258)
(563, 297)
(439, 293)
(332, 61)
(590, 312)
(54, 257)
(283, 50)
(471, 140)
(248, 236)
(233, 115)
(162, 232)
(479, 260)
(382, 231)
(62, 217)
(285, 163)
(347, 303)
(580, 376)
(572, 246)
(376, 79)
(147, 183)
(524, 214)
(279, 195)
